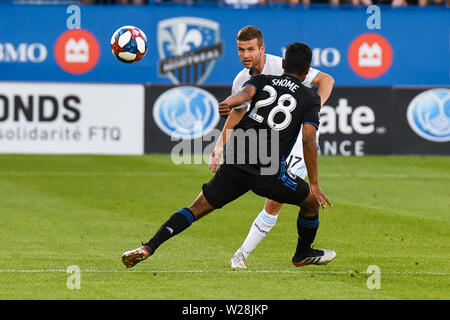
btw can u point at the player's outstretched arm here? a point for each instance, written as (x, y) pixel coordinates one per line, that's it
(310, 154)
(325, 84)
(234, 117)
(246, 94)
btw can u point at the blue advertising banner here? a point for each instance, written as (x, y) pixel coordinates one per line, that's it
(197, 45)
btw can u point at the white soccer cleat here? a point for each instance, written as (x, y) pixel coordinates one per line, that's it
(237, 261)
(313, 256)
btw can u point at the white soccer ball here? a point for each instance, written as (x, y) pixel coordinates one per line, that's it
(129, 44)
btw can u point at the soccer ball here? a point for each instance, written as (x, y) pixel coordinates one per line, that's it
(129, 44)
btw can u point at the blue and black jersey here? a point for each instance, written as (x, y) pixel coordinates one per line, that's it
(269, 129)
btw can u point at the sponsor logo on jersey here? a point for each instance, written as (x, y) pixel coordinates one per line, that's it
(370, 55)
(428, 115)
(77, 51)
(188, 48)
(186, 112)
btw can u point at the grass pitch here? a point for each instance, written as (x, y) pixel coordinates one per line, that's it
(60, 211)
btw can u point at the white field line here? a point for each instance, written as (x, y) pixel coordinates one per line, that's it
(402, 273)
(152, 174)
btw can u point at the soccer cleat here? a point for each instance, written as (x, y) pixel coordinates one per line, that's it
(313, 256)
(133, 257)
(237, 261)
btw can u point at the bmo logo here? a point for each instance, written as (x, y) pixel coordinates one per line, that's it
(77, 51)
(325, 57)
(23, 52)
(370, 55)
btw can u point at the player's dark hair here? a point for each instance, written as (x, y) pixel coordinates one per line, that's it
(249, 33)
(297, 58)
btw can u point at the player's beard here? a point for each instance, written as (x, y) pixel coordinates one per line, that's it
(255, 63)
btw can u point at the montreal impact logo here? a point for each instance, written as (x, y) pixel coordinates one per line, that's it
(188, 48)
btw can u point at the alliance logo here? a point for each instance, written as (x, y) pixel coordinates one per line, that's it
(188, 48)
(186, 112)
(77, 51)
(428, 115)
(370, 55)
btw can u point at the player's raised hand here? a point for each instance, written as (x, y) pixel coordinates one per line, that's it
(214, 159)
(224, 109)
(320, 196)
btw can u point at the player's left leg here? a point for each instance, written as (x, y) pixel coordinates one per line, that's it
(297, 192)
(307, 226)
(261, 226)
(266, 219)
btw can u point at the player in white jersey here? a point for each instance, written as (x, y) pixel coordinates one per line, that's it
(251, 51)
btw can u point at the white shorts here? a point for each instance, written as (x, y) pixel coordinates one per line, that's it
(295, 162)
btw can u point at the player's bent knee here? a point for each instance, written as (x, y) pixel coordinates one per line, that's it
(200, 207)
(309, 206)
(272, 207)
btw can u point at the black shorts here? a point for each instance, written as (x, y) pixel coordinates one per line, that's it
(230, 182)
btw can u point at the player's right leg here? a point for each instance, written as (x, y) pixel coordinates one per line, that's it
(228, 184)
(261, 226)
(178, 222)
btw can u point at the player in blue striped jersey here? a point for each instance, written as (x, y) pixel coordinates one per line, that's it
(280, 107)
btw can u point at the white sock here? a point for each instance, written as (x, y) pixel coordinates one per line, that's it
(259, 229)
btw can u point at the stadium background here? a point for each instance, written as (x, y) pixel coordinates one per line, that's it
(378, 71)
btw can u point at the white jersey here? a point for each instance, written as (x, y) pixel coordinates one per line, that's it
(273, 66)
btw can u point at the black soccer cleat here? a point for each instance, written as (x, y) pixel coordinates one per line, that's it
(313, 256)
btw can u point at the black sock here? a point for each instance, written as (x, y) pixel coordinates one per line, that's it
(179, 221)
(307, 229)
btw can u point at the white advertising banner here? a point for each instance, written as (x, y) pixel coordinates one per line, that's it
(71, 118)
